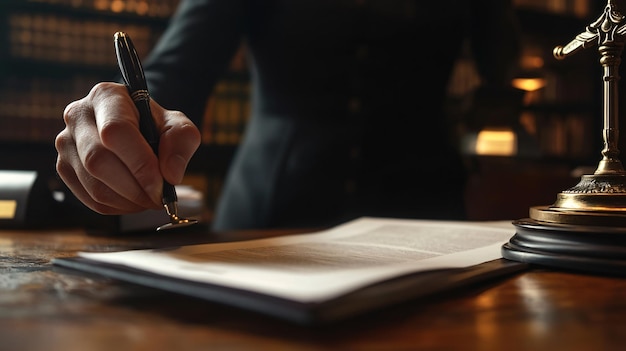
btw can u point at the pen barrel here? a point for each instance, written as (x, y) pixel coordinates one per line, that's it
(149, 131)
(132, 72)
(147, 126)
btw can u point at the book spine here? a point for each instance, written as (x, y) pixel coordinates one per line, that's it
(577, 8)
(151, 8)
(66, 40)
(228, 108)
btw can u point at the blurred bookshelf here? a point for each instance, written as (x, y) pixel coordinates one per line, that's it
(529, 153)
(228, 108)
(560, 113)
(53, 51)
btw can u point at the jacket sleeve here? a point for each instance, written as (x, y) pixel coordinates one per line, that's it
(193, 52)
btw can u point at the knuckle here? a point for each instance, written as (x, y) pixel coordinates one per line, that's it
(104, 89)
(184, 131)
(94, 158)
(63, 140)
(74, 111)
(191, 133)
(113, 127)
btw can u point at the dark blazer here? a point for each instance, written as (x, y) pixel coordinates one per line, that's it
(347, 109)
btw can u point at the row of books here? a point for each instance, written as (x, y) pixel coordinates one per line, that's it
(54, 55)
(572, 87)
(549, 136)
(559, 89)
(31, 109)
(165, 8)
(152, 8)
(557, 135)
(228, 108)
(40, 130)
(227, 113)
(65, 39)
(577, 8)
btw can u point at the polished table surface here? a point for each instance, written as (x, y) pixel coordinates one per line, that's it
(43, 307)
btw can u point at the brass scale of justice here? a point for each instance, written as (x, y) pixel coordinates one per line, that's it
(585, 229)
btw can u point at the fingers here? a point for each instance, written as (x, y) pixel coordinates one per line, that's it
(106, 162)
(116, 121)
(89, 190)
(96, 171)
(179, 140)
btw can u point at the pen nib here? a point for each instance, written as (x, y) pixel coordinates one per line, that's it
(175, 222)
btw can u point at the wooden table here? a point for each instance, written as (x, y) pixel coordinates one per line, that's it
(45, 308)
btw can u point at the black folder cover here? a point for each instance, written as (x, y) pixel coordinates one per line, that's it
(373, 297)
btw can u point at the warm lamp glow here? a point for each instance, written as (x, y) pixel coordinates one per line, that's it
(532, 75)
(101, 5)
(142, 8)
(117, 6)
(532, 61)
(501, 142)
(529, 84)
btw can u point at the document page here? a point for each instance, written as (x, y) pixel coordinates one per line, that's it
(318, 266)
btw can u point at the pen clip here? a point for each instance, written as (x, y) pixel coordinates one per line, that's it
(129, 64)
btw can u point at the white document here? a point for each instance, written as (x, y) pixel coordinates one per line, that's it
(319, 266)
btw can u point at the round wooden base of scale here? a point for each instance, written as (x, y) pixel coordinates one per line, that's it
(587, 248)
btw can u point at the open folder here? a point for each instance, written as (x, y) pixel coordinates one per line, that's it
(324, 276)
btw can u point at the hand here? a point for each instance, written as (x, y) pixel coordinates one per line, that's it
(106, 162)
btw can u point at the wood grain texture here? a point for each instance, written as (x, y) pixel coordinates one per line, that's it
(43, 307)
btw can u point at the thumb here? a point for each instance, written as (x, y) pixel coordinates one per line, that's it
(179, 140)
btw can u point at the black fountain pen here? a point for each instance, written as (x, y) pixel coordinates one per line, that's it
(133, 75)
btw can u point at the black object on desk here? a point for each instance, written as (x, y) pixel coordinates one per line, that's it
(25, 199)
